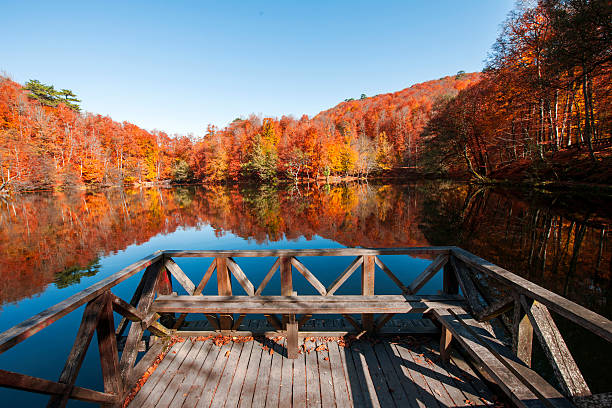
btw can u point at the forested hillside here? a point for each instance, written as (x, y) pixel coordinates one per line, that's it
(544, 104)
(542, 108)
(45, 141)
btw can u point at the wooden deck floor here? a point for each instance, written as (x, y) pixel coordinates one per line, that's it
(385, 374)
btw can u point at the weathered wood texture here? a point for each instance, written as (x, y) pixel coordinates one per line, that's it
(258, 374)
(296, 305)
(566, 308)
(523, 386)
(31, 326)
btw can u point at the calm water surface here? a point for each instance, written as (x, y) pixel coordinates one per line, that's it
(55, 244)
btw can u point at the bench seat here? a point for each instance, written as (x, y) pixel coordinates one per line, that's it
(303, 304)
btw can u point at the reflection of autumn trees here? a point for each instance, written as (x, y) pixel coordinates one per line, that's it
(47, 237)
(542, 238)
(355, 214)
(59, 238)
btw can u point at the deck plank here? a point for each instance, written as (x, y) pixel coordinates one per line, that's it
(410, 368)
(167, 376)
(276, 371)
(414, 395)
(228, 376)
(466, 373)
(179, 377)
(423, 366)
(341, 391)
(250, 379)
(328, 398)
(396, 391)
(263, 376)
(208, 392)
(361, 376)
(313, 389)
(384, 374)
(193, 395)
(196, 362)
(299, 381)
(377, 376)
(145, 390)
(447, 382)
(233, 395)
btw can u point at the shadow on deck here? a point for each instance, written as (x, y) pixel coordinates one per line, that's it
(403, 372)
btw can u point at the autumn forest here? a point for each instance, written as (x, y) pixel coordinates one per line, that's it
(543, 101)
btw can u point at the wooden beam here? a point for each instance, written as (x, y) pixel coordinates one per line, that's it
(241, 277)
(367, 289)
(253, 253)
(429, 272)
(309, 276)
(251, 305)
(495, 309)
(450, 285)
(224, 287)
(123, 323)
(286, 280)
(69, 374)
(292, 337)
(445, 340)
(382, 320)
(198, 290)
(268, 276)
(125, 309)
(390, 274)
(353, 322)
(107, 348)
(566, 308)
(524, 387)
(344, 275)
(274, 321)
(179, 275)
(567, 372)
(130, 350)
(29, 327)
(28, 383)
(522, 334)
(471, 294)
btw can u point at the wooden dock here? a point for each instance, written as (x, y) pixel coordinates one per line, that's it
(367, 349)
(257, 373)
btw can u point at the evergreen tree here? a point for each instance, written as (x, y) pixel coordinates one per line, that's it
(45, 94)
(48, 96)
(67, 97)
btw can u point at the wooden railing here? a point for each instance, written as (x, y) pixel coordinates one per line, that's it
(528, 303)
(530, 306)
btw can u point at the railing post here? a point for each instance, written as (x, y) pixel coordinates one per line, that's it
(450, 285)
(522, 333)
(164, 287)
(224, 285)
(286, 281)
(107, 347)
(367, 288)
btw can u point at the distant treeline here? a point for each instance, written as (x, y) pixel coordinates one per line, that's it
(546, 88)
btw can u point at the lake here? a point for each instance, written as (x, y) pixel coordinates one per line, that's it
(55, 244)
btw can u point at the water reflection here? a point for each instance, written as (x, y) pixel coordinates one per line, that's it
(559, 241)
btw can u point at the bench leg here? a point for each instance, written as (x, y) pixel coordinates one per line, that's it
(445, 340)
(292, 337)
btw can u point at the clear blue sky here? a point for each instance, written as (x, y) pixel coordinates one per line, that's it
(179, 65)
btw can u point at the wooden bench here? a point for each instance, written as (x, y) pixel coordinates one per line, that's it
(521, 384)
(290, 306)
